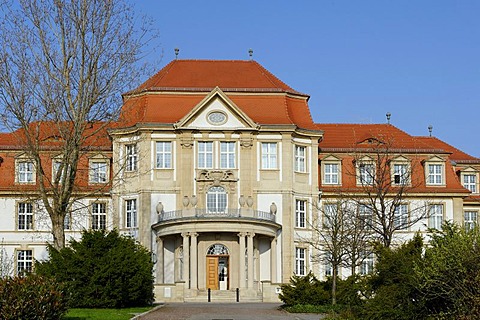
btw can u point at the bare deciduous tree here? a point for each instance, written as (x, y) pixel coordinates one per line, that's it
(63, 67)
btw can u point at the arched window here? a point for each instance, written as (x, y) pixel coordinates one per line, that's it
(217, 250)
(216, 199)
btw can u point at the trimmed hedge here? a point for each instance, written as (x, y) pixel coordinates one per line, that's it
(32, 297)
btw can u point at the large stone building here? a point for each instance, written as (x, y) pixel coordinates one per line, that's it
(219, 169)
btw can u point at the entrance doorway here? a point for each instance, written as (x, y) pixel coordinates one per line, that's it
(218, 267)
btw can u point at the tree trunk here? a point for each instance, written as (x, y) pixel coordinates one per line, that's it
(334, 285)
(58, 230)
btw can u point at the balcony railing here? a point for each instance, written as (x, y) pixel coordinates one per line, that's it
(206, 214)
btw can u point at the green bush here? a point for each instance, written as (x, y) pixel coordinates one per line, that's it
(31, 297)
(304, 290)
(103, 270)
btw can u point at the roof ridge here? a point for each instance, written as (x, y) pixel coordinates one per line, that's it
(269, 74)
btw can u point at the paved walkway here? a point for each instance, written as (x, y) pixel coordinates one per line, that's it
(224, 311)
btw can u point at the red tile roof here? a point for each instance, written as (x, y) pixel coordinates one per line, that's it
(456, 154)
(204, 75)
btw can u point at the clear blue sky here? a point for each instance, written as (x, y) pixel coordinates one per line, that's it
(358, 60)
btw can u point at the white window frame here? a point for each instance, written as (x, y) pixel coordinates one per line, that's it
(163, 155)
(300, 213)
(99, 215)
(470, 182)
(300, 158)
(24, 261)
(205, 155)
(55, 167)
(436, 216)
(329, 210)
(98, 171)
(269, 154)
(365, 213)
(331, 173)
(217, 200)
(470, 219)
(328, 264)
(131, 213)
(227, 154)
(300, 261)
(366, 173)
(25, 213)
(25, 171)
(366, 267)
(400, 215)
(401, 174)
(131, 153)
(435, 174)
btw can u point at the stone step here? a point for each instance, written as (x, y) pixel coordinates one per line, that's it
(221, 296)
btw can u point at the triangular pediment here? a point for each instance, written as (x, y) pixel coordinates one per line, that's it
(216, 111)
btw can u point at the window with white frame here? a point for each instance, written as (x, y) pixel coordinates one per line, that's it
(59, 170)
(216, 200)
(331, 173)
(205, 154)
(25, 172)
(328, 264)
(300, 213)
(300, 267)
(329, 215)
(401, 174)
(269, 155)
(400, 216)
(365, 215)
(470, 219)
(67, 221)
(227, 155)
(163, 154)
(300, 152)
(25, 216)
(367, 264)
(366, 173)
(131, 213)
(131, 157)
(435, 174)
(24, 262)
(98, 171)
(435, 219)
(470, 182)
(99, 216)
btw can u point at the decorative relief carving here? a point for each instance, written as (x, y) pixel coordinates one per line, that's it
(186, 143)
(216, 176)
(246, 143)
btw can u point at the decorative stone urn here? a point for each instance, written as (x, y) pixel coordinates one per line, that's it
(249, 201)
(185, 201)
(241, 200)
(273, 208)
(159, 207)
(194, 201)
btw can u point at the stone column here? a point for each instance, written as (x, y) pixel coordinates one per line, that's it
(241, 259)
(160, 265)
(194, 260)
(250, 259)
(186, 260)
(273, 260)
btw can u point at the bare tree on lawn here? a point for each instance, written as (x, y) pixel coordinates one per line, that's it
(63, 67)
(385, 182)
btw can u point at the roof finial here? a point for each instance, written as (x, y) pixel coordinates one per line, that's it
(176, 53)
(250, 53)
(430, 129)
(388, 117)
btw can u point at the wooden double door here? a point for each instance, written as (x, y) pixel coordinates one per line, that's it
(218, 272)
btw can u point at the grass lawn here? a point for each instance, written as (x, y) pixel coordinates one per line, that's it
(101, 314)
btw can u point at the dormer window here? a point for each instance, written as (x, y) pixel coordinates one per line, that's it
(435, 174)
(470, 182)
(366, 173)
(401, 174)
(331, 170)
(25, 172)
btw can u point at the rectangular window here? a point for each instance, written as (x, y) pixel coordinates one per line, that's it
(329, 215)
(300, 158)
(67, 222)
(400, 216)
(269, 155)
(367, 264)
(25, 172)
(470, 219)
(132, 157)
(227, 155)
(470, 182)
(57, 166)
(330, 174)
(131, 213)
(365, 215)
(98, 172)
(328, 264)
(25, 216)
(164, 155)
(300, 261)
(24, 262)
(400, 174)
(300, 213)
(435, 216)
(435, 174)
(366, 173)
(99, 216)
(205, 155)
